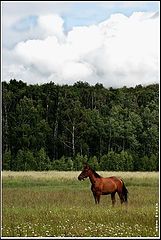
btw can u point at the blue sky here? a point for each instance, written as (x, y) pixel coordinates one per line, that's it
(63, 25)
(84, 13)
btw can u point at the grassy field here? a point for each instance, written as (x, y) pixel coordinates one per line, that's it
(56, 204)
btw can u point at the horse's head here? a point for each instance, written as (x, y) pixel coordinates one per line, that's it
(85, 173)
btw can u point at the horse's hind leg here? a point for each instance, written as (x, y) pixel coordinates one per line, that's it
(113, 199)
(121, 197)
(98, 198)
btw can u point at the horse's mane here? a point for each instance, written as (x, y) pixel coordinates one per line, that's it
(95, 174)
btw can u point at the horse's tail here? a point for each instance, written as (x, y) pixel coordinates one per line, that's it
(124, 192)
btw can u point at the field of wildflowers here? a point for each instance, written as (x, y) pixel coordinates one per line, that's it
(56, 204)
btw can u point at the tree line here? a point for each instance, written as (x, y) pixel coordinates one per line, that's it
(53, 127)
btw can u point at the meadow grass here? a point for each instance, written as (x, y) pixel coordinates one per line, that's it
(56, 204)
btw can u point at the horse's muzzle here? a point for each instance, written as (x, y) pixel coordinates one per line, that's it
(80, 178)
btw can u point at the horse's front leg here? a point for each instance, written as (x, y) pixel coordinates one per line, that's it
(95, 197)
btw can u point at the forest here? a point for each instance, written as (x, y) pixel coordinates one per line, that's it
(62, 127)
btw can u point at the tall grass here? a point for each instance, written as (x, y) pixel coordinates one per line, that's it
(74, 174)
(56, 204)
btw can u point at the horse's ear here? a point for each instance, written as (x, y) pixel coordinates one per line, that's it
(86, 166)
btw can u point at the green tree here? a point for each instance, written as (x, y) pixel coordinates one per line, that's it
(79, 161)
(93, 163)
(43, 161)
(152, 166)
(104, 163)
(69, 164)
(121, 161)
(62, 164)
(7, 159)
(144, 163)
(109, 162)
(56, 165)
(125, 162)
(129, 166)
(29, 161)
(120, 127)
(94, 134)
(19, 161)
(150, 135)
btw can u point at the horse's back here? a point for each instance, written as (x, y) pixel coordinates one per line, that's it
(116, 179)
(108, 185)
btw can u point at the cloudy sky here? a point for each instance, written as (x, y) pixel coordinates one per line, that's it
(108, 42)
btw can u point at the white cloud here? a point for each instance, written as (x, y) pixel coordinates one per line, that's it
(51, 25)
(119, 51)
(14, 13)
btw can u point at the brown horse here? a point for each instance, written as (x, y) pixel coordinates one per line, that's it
(103, 186)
